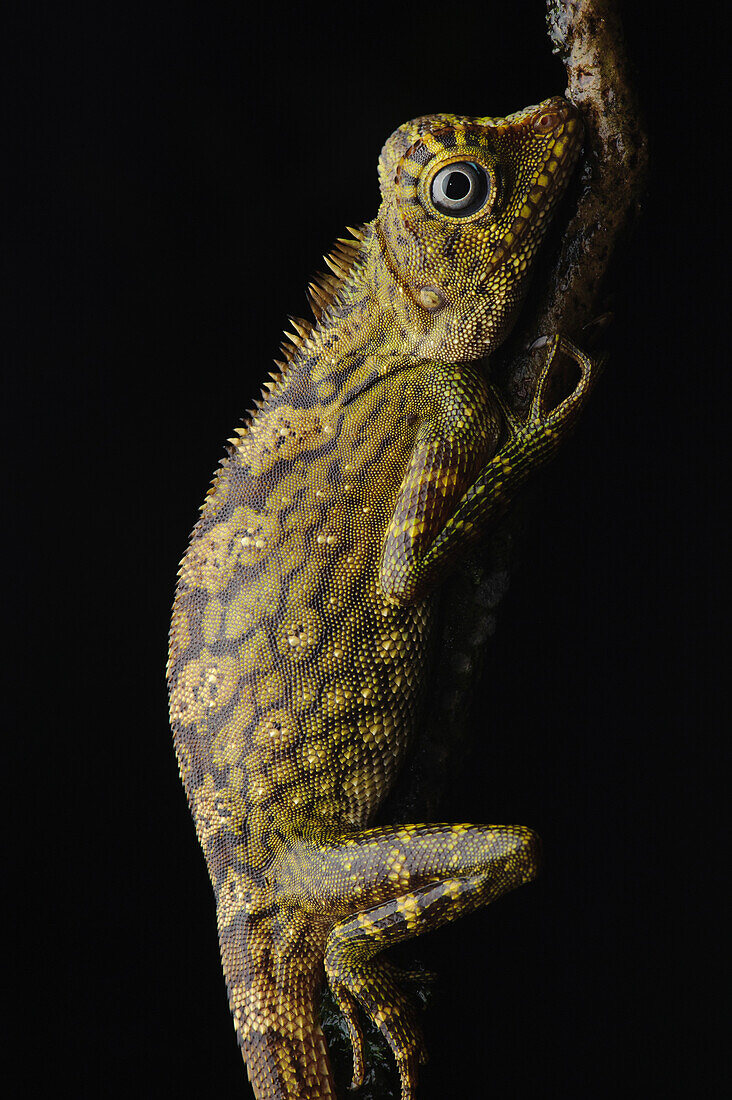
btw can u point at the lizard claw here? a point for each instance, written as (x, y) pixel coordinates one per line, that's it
(594, 329)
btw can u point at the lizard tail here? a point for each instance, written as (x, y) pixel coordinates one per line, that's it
(273, 967)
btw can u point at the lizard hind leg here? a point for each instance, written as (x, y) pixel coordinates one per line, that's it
(388, 885)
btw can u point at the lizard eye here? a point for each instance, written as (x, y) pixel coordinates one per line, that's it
(460, 189)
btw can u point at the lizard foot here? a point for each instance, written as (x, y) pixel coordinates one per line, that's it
(562, 384)
(375, 985)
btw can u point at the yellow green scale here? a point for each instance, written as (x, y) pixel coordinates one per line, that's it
(302, 622)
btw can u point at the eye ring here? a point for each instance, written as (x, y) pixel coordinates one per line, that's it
(461, 189)
(547, 121)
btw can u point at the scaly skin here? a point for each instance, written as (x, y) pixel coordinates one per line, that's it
(302, 620)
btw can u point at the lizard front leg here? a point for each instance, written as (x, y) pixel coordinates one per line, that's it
(423, 537)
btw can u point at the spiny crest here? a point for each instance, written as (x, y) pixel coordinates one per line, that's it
(293, 341)
(322, 293)
(289, 346)
(323, 290)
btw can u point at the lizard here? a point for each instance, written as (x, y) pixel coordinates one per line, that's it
(304, 610)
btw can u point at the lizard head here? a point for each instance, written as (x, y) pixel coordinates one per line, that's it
(465, 205)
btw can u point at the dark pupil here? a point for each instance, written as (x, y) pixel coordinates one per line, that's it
(458, 185)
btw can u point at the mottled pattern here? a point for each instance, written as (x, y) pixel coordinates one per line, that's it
(302, 620)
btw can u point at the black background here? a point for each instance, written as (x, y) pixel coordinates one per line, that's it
(182, 170)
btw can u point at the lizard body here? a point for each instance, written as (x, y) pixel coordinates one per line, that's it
(303, 614)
